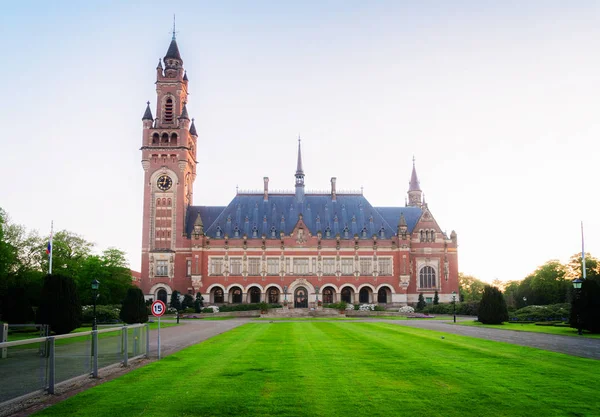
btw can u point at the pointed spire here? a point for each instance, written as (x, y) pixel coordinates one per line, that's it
(414, 181)
(185, 78)
(402, 220)
(159, 66)
(193, 129)
(198, 225)
(173, 51)
(184, 113)
(148, 113)
(299, 170)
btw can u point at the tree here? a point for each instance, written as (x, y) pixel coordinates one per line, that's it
(111, 270)
(575, 264)
(198, 303)
(546, 285)
(175, 302)
(421, 304)
(60, 307)
(492, 307)
(436, 298)
(470, 288)
(133, 309)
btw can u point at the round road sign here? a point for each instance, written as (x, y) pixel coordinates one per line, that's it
(158, 308)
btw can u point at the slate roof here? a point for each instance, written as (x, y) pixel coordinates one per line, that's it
(148, 113)
(173, 51)
(351, 214)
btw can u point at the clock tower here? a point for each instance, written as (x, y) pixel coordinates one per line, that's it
(169, 162)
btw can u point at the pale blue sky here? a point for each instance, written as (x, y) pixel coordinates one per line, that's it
(498, 102)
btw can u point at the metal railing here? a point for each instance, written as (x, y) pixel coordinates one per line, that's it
(38, 365)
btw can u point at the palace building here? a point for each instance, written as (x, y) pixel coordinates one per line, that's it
(296, 246)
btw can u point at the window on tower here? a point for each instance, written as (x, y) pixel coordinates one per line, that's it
(169, 110)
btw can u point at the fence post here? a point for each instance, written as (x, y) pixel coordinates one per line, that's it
(136, 335)
(4, 338)
(51, 365)
(95, 353)
(125, 347)
(147, 340)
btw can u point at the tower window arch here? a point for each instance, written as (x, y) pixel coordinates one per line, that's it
(422, 236)
(174, 139)
(155, 138)
(427, 277)
(218, 233)
(164, 138)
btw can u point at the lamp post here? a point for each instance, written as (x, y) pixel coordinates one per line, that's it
(525, 301)
(577, 286)
(454, 305)
(95, 285)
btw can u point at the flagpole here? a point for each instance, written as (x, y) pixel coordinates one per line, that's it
(51, 248)
(582, 250)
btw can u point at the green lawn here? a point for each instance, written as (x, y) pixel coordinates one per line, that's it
(530, 327)
(347, 369)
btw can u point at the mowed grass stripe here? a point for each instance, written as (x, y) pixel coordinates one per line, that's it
(341, 369)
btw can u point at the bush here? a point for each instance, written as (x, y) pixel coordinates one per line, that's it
(379, 308)
(60, 306)
(133, 309)
(198, 303)
(104, 314)
(492, 307)
(188, 302)
(190, 310)
(175, 302)
(406, 310)
(16, 308)
(421, 304)
(342, 306)
(211, 309)
(436, 298)
(552, 312)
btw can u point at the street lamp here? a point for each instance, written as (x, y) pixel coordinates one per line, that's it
(525, 301)
(454, 305)
(95, 285)
(577, 286)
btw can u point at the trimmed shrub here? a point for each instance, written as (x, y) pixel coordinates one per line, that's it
(16, 308)
(552, 312)
(246, 307)
(421, 304)
(188, 301)
(133, 309)
(492, 307)
(104, 314)
(175, 302)
(198, 303)
(60, 306)
(586, 307)
(436, 298)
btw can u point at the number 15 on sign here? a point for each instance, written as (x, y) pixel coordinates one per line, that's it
(158, 309)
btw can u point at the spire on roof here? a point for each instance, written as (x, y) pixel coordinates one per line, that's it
(414, 181)
(198, 225)
(402, 220)
(193, 129)
(148, 113)
(173, 51)
(299, 170)
(185, 78)
(159, 66)
(184, 113)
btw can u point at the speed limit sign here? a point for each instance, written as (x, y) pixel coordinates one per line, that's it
(158, 308)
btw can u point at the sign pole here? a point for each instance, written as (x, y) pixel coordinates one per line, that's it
(158, 337)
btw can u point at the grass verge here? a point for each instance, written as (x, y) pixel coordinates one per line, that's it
(531, 327)
(342, 369)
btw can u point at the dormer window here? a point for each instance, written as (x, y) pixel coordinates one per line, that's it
(254, 231)
(364, 233)
(346, 232)
(236, 232)
(327, 231)
(382, 233)
(218, 234)
(273, 232)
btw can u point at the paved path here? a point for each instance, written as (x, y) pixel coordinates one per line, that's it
(571, 345)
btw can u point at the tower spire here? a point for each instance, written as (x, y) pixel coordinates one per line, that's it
(299, 176)
(414, 189)
(174, 27)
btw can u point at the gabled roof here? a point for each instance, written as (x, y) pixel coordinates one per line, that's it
(351, 214)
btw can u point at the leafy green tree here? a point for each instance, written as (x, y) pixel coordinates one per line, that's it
(421, 303)
(60, 307)
(133, 309)
(112, 272)
(470, 288)
(492, 307)
(198, 302)
(436, 298)
(575, 266)
(175, 302)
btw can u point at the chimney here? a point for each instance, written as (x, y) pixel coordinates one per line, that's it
(333, 193)
(266, 192)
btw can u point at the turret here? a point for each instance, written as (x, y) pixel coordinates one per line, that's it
(299, 176)
(147, 119)
(414, 189)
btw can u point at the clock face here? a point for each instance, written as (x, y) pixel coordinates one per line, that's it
(164, 182)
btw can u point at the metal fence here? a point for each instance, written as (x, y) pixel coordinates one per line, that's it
(39, 365)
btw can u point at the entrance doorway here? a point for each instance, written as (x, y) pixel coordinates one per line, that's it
(254, 295)
(162, 295)
(301, 298)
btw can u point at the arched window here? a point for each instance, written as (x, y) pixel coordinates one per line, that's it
(422, 236)
(169, 110)
(174, 139)
(426, 235)
(363, 295)
(273, 232)
(162, 295)
(218, 296)
(155, 138)
(382, 296)
(328, 295)
(427, 277)
(254, 295)
(236, 296)
(432, 235)
(158, 201)
(347, 295)
(164, 138)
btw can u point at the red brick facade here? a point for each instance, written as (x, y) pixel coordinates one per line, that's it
(201, 249)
